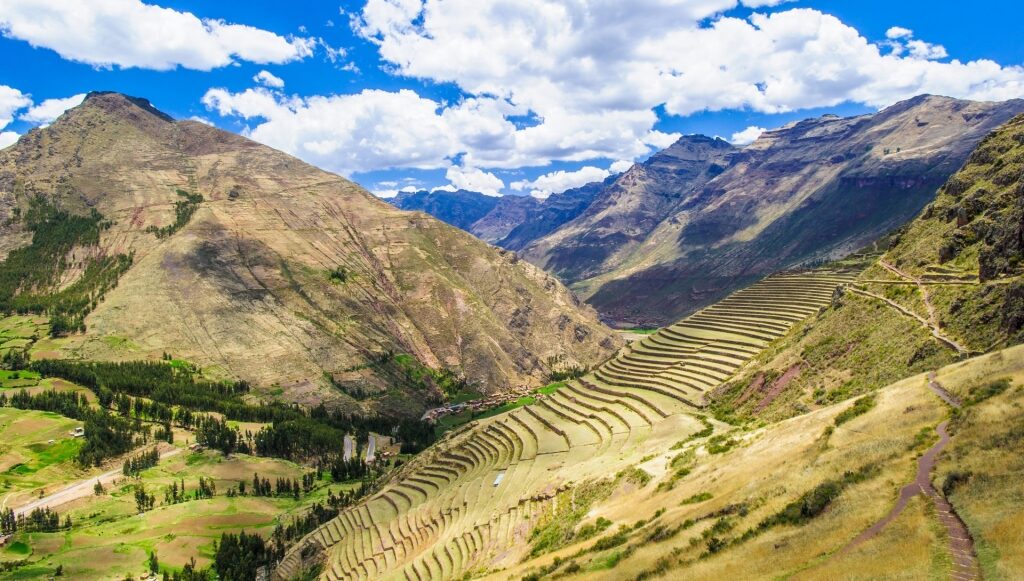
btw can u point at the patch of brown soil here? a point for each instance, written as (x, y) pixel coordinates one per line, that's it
(754, 387)
(778, 387)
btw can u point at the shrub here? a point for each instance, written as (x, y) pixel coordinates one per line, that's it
(953, 480)
(700, 497)
(720, 444)
(859, 407)
(980, 393)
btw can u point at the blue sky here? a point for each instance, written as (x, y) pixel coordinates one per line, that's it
(503, 96)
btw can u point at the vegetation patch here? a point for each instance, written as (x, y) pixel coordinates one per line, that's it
(860, 407)
(979, 393)
(814, 502)
(339, 275)
(30, 276)
(636, 476)
(720, 444)
(704, 432)
(183, 211)
(551, 388)
(557, 526)
(696, 498)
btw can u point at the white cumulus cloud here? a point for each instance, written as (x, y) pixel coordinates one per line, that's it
(8, 138)
(130, 33)
(351, 133)
(11, 100)
(474, 180)
(269, 79)
(589, 76)
(558, 181)
(747, 136)
(620, 166)
(48, 111)
(898, 32)
(593, 71)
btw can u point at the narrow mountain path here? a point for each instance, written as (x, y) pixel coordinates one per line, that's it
(932, 317)
(933, 329)
(961, 546)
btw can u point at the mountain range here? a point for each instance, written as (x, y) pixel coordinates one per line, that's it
(511, 222)
(703, 218)
(207, 246)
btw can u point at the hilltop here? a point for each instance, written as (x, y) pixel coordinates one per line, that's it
(254, 265)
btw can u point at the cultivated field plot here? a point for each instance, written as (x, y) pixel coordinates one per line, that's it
(111, 539)
(37, 454)
(470, 502)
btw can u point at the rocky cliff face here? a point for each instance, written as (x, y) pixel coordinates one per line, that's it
(550, 214)
(812, 190)
(283, 273)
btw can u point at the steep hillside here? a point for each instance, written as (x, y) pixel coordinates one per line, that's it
(178, 237)
(549, 214)
(626, 212)
(949, 286)
(812, 190)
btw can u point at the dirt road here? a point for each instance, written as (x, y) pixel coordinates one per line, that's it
(80, 489)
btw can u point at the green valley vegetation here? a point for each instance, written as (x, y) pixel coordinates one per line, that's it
(160, 392)
(183, 211)
(32, 278)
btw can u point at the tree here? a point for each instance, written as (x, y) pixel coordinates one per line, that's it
(154, 563)
(60, 325)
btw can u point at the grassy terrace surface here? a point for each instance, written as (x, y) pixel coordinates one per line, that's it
(469, 503)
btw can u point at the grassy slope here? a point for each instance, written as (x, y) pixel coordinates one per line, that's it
(776, 464)
(109, 538)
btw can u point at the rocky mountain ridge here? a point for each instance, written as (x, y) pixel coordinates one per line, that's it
(811, 191)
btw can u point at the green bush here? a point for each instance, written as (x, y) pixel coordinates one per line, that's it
(980, 393)
(859, 407)
(699, 497)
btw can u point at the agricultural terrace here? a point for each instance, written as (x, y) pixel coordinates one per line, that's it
(476, 499)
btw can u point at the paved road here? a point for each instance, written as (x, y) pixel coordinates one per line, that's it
(80, 489)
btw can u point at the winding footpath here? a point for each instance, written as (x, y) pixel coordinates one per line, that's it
(920, 286)
(932, 328)
(961, 547)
